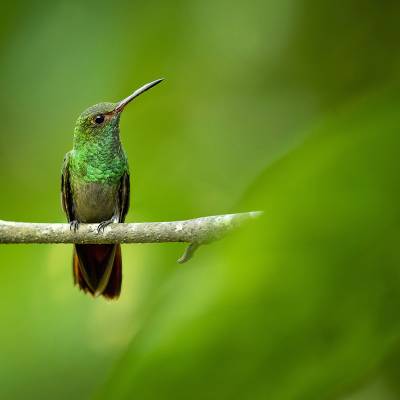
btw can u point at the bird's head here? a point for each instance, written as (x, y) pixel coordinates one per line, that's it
(103, 118)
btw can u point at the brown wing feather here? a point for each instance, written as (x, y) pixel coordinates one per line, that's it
(124, 196)
(66, 194)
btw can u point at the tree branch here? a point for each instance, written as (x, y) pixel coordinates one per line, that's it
(194, 231)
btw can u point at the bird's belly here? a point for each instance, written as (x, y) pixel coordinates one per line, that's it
(94, 202)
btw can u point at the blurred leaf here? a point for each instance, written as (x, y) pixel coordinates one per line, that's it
(302, 304)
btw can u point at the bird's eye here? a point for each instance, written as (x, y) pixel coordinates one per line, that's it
(99, 119)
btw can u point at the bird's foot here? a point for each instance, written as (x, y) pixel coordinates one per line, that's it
(74, 225)
(104, 224)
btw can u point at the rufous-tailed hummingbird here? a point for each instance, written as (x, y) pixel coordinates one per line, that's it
(95, 188)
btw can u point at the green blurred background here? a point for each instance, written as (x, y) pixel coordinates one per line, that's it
(291, 107)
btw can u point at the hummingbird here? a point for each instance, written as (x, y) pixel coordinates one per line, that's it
(95, 188)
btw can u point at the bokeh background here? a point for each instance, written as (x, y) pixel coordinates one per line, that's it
(291, 107)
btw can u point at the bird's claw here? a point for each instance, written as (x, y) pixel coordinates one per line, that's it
(103, 225)
(74, 225)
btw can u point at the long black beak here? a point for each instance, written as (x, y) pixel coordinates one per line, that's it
(121, 105)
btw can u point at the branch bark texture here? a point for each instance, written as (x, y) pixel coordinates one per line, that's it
(198, 231)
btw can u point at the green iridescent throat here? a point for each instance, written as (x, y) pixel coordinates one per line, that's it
(97, 154)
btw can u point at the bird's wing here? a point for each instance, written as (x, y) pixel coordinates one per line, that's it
(66, 194)
(123, 197)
